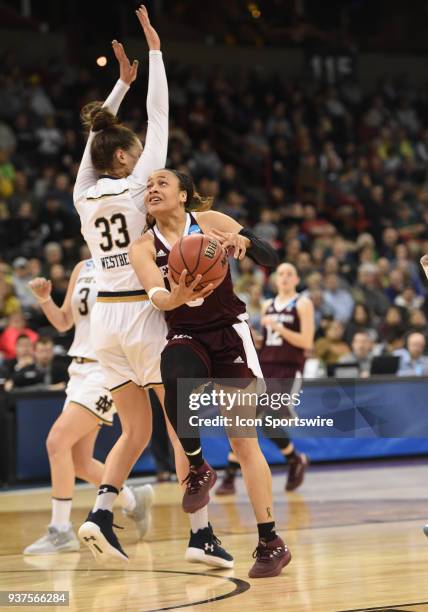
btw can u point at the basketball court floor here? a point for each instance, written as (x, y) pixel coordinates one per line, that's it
(355, 533)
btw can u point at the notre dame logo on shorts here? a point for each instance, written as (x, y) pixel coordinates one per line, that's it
(104, 403)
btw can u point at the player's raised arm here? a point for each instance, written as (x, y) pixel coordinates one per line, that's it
(232, 235)
(86, 175)
(61, 317)
(156, 145)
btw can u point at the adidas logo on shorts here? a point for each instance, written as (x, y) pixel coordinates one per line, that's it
(238, 360)
(161, 253)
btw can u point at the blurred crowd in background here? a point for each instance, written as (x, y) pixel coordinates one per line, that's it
(334, 177)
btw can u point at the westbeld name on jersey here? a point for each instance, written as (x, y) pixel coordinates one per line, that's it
(115, 261)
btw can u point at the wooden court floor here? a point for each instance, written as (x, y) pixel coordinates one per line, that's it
(354, 532)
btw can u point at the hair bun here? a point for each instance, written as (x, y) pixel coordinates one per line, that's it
(96, 118)
(103, 119)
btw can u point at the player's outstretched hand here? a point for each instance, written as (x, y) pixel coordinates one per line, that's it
(41, 288)
(128, 71)
(150, 33)
(234, 244)
(182, 293)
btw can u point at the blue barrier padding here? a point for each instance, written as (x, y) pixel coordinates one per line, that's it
(396, 408)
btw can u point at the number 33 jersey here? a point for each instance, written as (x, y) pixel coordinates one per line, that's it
(111, 220)
(82, 301)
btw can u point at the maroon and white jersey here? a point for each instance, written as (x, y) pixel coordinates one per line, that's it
(275, 349)
(220, 309)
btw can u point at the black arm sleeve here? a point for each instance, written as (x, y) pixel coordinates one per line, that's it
(260, 251)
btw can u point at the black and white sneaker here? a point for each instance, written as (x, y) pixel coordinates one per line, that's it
(204, 547)
(98, 535)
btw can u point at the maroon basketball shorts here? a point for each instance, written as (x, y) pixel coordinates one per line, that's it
(227, 353)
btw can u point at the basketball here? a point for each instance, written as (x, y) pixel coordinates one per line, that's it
(198, 254)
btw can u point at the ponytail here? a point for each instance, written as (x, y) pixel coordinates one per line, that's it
(95, 117)
(199, 203)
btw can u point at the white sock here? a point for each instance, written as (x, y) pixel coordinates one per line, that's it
(126, 498)
(61, 511)
(199, 519)
(107, 495)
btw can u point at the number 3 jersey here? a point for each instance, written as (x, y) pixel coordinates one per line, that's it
(275, 349)
(110, 221)
(82, 301)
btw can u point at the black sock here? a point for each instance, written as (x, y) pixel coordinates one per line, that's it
(196, 459)
(232, 468)
(267, 531)
(291, 456)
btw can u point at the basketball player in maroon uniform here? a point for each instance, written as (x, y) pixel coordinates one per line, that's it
(208, 337)
(289, 328)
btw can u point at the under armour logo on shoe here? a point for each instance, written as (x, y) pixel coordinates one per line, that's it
(209, 547)
(238, 360)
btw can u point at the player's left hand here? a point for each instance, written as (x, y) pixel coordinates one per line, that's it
(151, 35)
(232, 243)
(128, 71)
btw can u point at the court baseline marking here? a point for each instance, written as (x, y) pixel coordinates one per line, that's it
(391, 607)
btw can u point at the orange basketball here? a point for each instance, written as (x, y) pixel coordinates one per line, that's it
(198, 254)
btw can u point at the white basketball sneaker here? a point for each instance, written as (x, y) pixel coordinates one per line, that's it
(142, 513)
(54, 542)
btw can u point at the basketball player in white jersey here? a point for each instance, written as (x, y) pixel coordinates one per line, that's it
(127, 333)
(88, 405)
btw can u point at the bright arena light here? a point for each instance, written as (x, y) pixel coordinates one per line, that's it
(102, 61)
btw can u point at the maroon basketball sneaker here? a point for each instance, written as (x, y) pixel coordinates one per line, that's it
(227, 485)
(198, 481)
(296, 471)
(270, 558)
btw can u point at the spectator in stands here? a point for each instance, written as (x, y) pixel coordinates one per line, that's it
(16, 326)
(361, 321)
(249, 274)
(266, 228)
(413, 362)
(418, 322)
(332, 347)
(57, 224)
(44, 371)
(392, 325)
(408, 299)
(367, 289)
(9, 303)
(254, 306)
(54, 369)
(21, 278)
(338, 299)
(24, 357)
(322, 311)
(361, 354)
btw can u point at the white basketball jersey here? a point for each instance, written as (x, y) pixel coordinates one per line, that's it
(110, 221)
(82, 301)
